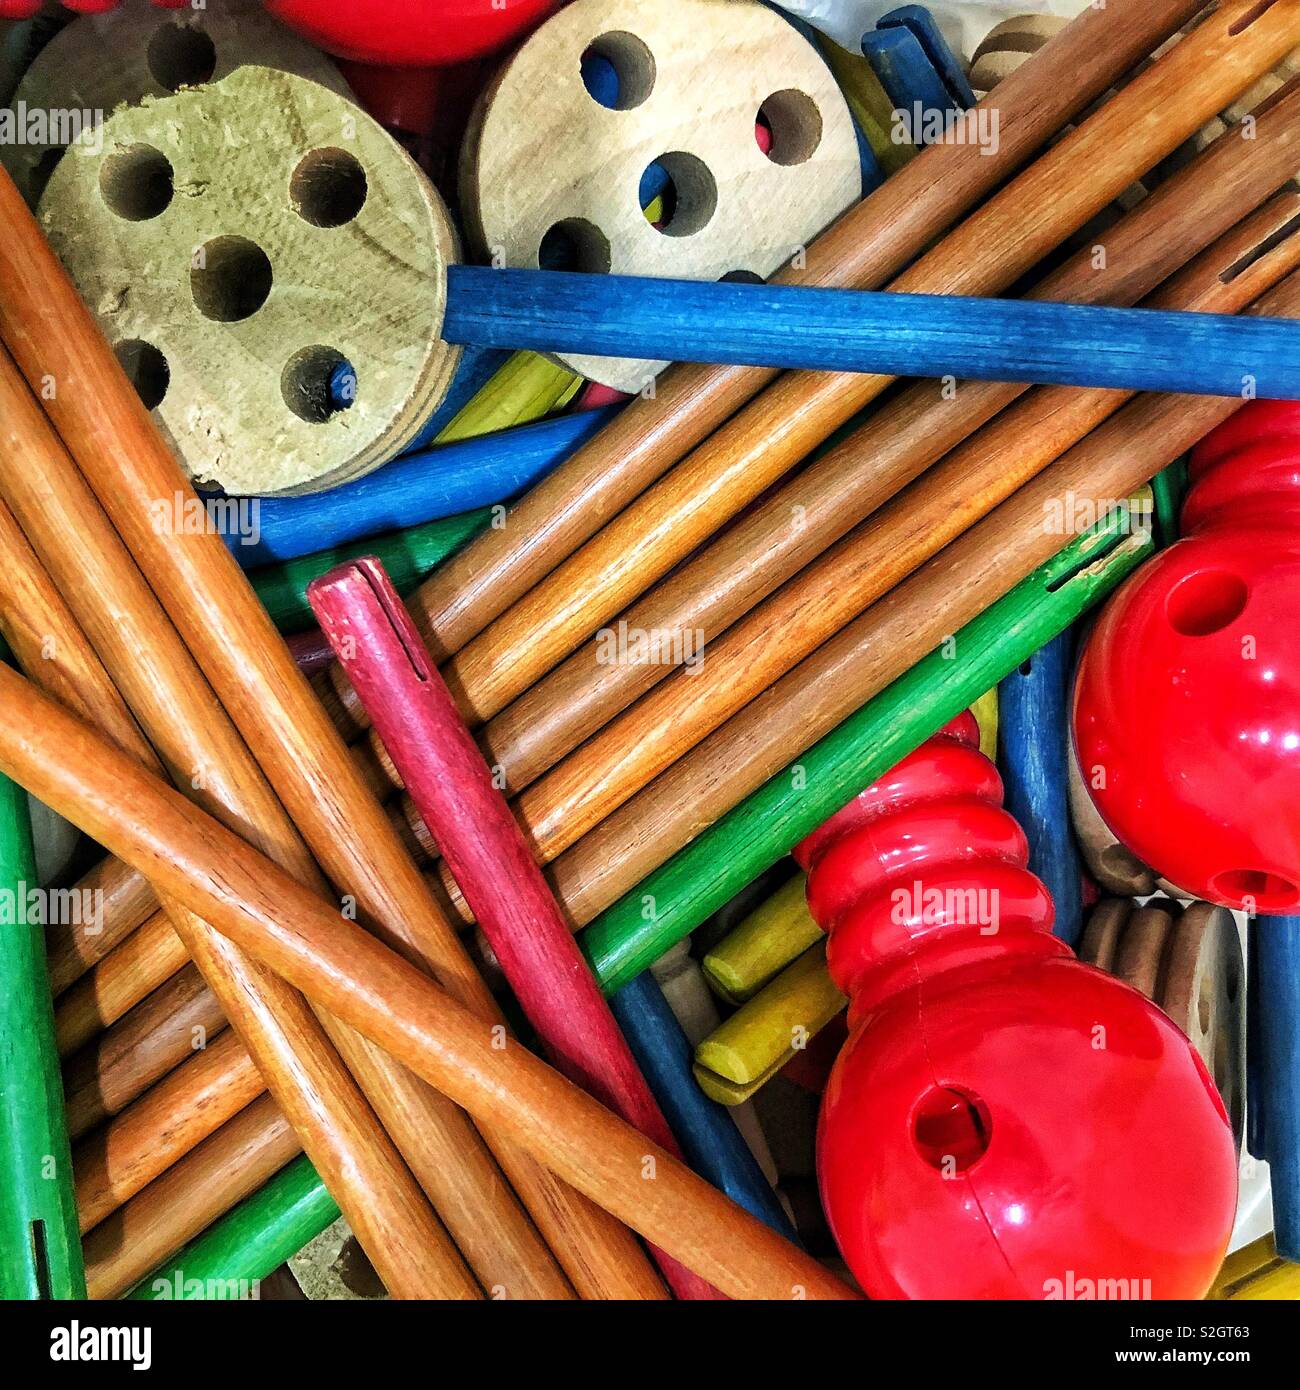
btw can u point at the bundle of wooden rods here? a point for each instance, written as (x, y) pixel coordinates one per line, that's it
(849, 569)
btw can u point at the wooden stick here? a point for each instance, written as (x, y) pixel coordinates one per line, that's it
(196, 859)
(373, 636)
(998, 243)
(113, 439)
(40, 1252)
(863, 331)
(822, 502)
(102, 1079)
(867, 246)
(863, 657)
(167, 692)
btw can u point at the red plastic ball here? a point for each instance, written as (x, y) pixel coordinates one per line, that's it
(1187, 703)
(412, 33)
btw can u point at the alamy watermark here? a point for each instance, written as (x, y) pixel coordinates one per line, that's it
(928, 907)
(1072, 514)
(52, 126)
(656, 646)
(1076, 1288)
(21, 905)
(183, 514)
(919, 125)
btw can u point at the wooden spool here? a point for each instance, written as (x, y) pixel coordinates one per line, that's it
(240, 245)
(1007, 45)
(101, 62)
(544, 161)
(1203, 992)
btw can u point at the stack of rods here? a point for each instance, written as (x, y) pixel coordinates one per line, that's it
(157, 663)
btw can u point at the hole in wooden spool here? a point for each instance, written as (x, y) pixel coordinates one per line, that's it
(796, 125)
(147, 369)
(1206, 603)
(575, 244)
(136, 183)
(618, 71)
(179, 55)
(690, 195)
(328, 188)
(741, 277)
(230, 278)
(317, 383)
(1255, 888)
(951, 1129)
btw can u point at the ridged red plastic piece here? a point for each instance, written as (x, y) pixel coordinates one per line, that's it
(1004, 1122)
(1187, 702)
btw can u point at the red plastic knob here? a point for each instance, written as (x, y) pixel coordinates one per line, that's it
(1187, 703)
(1004, 1122)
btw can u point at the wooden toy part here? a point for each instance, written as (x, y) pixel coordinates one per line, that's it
(1007, 45)
(550, 174)
(1140, 951)
(1116, 869)
(1202, 991)
(271, 270)
(101, 62)
(775, 933)
(1101, 935)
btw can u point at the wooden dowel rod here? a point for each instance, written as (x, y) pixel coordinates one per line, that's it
(995, 245)
(125, 902)
(372, 634)
(738, 664)
(863, 657)
(145, 960)
(894, 334)
(196, 859)
(111, 435)
(865, 248)
(344, 1137)
(208, 1181)
(170, 1119)
(160, 1033)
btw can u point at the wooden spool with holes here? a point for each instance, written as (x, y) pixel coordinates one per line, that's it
(101, 62)
(545, 164)
(271, 268)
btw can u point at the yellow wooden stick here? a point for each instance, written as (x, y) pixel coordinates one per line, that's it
(778, 931)
(1256, 1272)
(760, 1038)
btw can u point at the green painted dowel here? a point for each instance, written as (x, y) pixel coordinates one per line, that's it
(248, 1242)
(40, 1248)
(263, 1232)
(634, 932)
(408, 557)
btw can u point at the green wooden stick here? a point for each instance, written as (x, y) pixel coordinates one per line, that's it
(408, 557)
(40, 1248)
(263, 1231)
(634, 932)
(248, 1242)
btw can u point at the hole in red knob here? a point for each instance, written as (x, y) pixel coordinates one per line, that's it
(1255, 889)
(1205, 603)
(951, 1129)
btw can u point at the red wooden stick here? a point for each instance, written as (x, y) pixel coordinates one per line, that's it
(413, 712)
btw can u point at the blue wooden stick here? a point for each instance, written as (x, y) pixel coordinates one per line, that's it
(1273, 1040)
(864, 331)
(917, 20)
(905, 72)
(435, 483)
(708, 1135)
(1033, 726)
